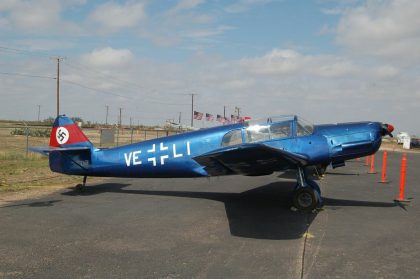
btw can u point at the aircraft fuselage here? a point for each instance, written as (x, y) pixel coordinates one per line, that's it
(172, 156)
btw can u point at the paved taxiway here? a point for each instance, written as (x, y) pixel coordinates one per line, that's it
(219, 228)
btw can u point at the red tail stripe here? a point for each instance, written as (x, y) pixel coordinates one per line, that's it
(75, 135)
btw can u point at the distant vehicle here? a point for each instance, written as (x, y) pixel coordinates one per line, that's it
(249, 148)
(415, 143)
(175, 125)
(401, 137)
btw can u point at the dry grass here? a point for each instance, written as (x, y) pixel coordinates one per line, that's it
(21, 169)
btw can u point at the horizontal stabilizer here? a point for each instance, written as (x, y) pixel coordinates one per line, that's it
(45, 150)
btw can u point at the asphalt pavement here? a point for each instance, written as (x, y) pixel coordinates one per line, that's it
(227, 227)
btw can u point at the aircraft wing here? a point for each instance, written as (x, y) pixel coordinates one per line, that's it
(249, 159)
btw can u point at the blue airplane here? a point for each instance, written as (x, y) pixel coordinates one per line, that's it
(251, 148)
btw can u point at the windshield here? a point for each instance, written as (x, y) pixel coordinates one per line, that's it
(277, 128)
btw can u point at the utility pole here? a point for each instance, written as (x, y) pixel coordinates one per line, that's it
(192, 108)
(237, 109)
(39, 112)
(179, 118)
(120, 118)
(106, 117)
(58, 58)
(224, 112)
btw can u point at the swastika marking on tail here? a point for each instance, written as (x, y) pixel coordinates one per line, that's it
(62, 135)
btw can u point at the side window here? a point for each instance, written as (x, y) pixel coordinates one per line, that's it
(304, 128)
(303, 131)
(257, 133)
(280, 130)
(232, 138)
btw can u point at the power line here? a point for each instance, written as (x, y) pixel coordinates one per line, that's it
(26, 75)
(115, 80)
(84, 68)
(118, 95)
(81, 67)
(23, 51)
(94, 89)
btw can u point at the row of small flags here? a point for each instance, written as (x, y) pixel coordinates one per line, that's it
(224, 120)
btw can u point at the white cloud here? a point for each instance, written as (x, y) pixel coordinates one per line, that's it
(385, 71)
(384, 29)
(290, 62)
(107, 57)
(186, 27)
(186, 5)
(36, 16)
(205, 33)
(332, 11)
(241, 6)
(113, 16)
(238, 84)
(326, 29)
(276, 62)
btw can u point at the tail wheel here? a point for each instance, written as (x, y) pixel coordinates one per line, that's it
(305, 199)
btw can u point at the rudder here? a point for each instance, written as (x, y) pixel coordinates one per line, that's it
(65, 133)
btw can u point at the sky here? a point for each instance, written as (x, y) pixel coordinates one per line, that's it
(328, 61)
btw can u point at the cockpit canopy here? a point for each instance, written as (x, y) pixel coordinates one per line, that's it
(277, 128)
(268, 129)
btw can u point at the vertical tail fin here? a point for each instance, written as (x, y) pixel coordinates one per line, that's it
(65, 133)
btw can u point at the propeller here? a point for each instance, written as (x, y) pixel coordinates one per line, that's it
(387, 130)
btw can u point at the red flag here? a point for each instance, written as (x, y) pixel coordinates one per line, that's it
(209, 117)
(198, 115)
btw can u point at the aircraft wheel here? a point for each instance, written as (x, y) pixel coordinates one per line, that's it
(317, 189)
(314, 186)
(305, 199)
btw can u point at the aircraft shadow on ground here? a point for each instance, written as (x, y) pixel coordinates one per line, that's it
(261, 213)
(34, 204)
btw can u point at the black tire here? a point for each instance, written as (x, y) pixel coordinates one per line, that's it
(314, 186)
(304, 199)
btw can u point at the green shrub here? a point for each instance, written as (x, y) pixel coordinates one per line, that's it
(40, 133)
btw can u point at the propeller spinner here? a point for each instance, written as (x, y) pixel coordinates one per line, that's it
(387, 129)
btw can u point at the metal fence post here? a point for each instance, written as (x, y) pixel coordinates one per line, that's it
(118, 135)
(27, 141)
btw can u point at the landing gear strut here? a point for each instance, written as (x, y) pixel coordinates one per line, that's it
(307, 194)
(80, 187)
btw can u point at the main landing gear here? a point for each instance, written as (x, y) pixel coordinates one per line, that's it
(307, 194)
(82, 186)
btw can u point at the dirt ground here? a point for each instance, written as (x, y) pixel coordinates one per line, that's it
(25, 174)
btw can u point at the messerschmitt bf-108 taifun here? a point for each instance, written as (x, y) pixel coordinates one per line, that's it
(250, 148)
